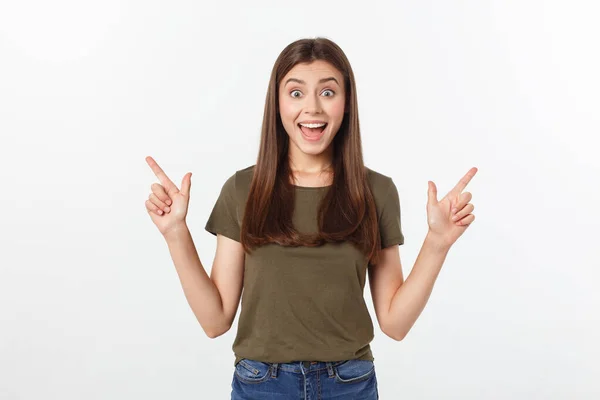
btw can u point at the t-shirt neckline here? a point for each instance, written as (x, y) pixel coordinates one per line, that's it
(311, 188)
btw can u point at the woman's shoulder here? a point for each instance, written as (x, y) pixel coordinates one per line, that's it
(249, 170)
(240, 176)
(379, 182)
(243, 177)
(238, 183)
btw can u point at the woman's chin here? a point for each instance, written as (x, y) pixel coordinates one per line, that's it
(313, 148)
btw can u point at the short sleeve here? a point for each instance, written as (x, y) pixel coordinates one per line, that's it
(224, 216)
(390, 228)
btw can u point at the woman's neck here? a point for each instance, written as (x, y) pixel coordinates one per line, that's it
(311, 164)
(313, 176)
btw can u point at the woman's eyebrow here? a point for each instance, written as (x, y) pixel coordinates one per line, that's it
(300, 81)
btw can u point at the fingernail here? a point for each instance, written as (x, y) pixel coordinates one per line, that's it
(167, 209)
(160, 212)
(169, 202)
(455, 218)
(454, 210)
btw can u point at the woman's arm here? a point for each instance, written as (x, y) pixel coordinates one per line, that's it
(398, 304)
(214, 300)
(405, 300)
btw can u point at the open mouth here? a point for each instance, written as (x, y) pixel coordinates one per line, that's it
(312, 132)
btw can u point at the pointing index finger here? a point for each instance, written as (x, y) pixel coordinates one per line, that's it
(160, 174)
(462, 184)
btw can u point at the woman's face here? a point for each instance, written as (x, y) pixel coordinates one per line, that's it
(311, 94)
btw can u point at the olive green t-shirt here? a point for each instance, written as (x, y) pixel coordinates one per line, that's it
(304, 303)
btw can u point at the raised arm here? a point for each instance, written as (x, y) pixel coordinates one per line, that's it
(214, 300)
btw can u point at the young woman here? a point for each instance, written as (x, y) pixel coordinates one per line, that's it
(298, 232)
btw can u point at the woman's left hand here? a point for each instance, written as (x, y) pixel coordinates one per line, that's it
(450, 217)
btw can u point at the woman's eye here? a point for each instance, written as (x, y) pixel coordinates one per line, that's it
(299, 93)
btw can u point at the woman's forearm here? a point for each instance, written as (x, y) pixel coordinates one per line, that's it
(200, 291)
(412, 296)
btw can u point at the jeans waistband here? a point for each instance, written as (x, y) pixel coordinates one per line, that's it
(303, 367)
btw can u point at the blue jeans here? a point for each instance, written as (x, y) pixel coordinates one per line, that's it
(304, 380)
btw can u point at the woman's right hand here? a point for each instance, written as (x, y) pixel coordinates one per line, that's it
(167, 205)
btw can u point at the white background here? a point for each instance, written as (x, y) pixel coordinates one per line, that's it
(91, 305)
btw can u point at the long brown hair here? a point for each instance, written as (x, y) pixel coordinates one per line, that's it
(347, 211)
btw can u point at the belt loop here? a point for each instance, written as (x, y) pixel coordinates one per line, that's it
(329, 369)
(274, 370)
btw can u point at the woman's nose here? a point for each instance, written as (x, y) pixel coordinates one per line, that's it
(313, 105)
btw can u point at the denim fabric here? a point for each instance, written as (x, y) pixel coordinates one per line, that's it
(304, 380)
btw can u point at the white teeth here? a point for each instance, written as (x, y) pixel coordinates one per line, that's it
(313, 125)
